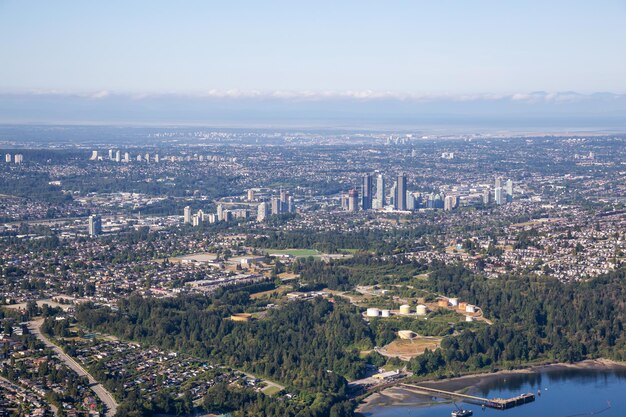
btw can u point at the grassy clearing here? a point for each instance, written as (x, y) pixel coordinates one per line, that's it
(271, 390)
(412, 348)
(279, 291)
(422, 277)
(298, 253)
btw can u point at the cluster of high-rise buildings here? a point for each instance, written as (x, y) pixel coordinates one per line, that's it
(373, 195)
(18, 158)
(116, 156)
(274, 206)
(221, 215)
(502, 193)
(194, 219)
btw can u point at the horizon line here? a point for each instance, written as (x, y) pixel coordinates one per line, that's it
(320, 95)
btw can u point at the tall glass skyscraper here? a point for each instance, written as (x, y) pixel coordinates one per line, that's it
(367, 192)
(400, 200)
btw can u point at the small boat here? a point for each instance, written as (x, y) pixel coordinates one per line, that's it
(462, 413)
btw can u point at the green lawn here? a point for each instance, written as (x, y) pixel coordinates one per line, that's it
(271, 390)
(299, 253)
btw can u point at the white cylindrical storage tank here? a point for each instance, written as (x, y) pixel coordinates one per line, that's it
(384, 313)
(470, 309)
(405, 309)
(454, 302)
(469, 318)
(372, 312)
(420, 310)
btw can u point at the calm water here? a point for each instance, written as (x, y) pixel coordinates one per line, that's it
(564, 393)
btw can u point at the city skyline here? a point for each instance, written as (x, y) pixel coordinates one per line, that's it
(252, 237)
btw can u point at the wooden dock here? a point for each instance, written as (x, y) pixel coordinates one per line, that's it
(497, 403)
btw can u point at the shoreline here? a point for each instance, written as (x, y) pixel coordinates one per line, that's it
(398, 397)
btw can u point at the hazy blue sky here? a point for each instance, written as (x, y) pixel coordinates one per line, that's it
(423, 47)
(351, 62)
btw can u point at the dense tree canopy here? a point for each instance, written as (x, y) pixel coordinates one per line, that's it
(313, 346)
(537, 318)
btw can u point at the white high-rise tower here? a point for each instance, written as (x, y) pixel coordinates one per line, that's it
(380, 191)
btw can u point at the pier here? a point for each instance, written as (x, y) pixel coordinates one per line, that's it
(497, 403)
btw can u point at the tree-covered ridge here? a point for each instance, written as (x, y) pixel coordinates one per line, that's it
(313, 346)
(536, 319)
(309, 346)
(298, 344)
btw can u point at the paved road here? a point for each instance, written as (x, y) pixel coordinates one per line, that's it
(104, 395)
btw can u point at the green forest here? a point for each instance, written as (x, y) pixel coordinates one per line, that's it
(381, 242)
(536, 319)
(313, 346)
(298, 345)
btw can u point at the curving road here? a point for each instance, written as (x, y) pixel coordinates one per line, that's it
(102, 393)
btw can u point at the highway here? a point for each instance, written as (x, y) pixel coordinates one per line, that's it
(104, 395)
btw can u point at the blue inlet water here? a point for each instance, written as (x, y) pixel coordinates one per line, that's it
(564, 393)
